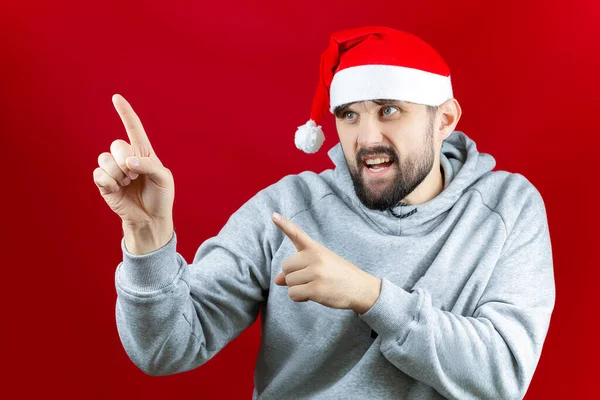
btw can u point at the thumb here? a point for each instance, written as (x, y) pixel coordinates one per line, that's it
(149, 166)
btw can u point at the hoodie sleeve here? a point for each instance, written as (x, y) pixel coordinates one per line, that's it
(172, 317)
(493, 353)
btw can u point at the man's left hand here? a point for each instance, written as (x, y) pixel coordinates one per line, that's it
(318, 274)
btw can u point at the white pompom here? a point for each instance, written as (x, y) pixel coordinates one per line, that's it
(309, 137)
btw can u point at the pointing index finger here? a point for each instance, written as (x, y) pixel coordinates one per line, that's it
(135, 130)
(299, 238)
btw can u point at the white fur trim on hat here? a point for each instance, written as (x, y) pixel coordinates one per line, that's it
(369, 82)
(309, 137)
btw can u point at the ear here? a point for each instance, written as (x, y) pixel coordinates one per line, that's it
(449, 114)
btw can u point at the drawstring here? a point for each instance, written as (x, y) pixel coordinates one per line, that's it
(408, 214)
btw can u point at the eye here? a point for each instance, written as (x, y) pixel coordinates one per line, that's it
(389, 110)
(349, 115)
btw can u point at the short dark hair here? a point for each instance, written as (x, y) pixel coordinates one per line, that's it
(432, 110)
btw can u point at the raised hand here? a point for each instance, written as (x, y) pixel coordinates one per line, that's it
(132, 179)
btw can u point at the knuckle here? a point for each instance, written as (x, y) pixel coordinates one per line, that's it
(117, 144)
(100, 176)
(293, 293)
(120, 150)
(105, 180)
(291, 279)
(104, 158)
(97, 173)
(318, 273)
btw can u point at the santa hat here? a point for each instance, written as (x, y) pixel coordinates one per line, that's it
(371, 63)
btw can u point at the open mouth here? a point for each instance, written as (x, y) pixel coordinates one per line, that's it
(378, 165)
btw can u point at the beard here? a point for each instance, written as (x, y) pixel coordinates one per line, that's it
(401, 180)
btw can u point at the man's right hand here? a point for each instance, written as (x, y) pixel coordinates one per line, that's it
(141, 195)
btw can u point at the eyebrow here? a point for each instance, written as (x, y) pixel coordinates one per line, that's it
(340, 110)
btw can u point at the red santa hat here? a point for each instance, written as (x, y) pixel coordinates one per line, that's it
(371, 63)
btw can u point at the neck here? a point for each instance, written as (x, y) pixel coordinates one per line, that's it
(432, 185)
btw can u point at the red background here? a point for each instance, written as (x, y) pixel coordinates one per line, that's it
(221, 88)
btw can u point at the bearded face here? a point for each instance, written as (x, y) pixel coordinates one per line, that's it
(382, 179)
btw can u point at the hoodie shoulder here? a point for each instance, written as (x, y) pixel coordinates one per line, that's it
(297, 192)
(510, 195)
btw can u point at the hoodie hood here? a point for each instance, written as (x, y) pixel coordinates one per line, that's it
(462, 166)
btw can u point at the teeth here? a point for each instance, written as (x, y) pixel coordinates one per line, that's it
(377, 161)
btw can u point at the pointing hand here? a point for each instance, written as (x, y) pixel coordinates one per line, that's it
(318, 274)
(131, 178)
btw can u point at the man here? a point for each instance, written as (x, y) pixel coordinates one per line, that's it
(411, 270)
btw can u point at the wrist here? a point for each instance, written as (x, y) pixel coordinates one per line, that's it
(144, 238)
(368, 297)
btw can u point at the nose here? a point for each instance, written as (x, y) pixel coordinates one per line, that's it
(369, 133)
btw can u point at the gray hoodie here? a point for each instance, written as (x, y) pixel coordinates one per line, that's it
(466, 297)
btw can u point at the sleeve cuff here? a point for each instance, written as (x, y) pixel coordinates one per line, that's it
(393, 311)
(149, 272)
